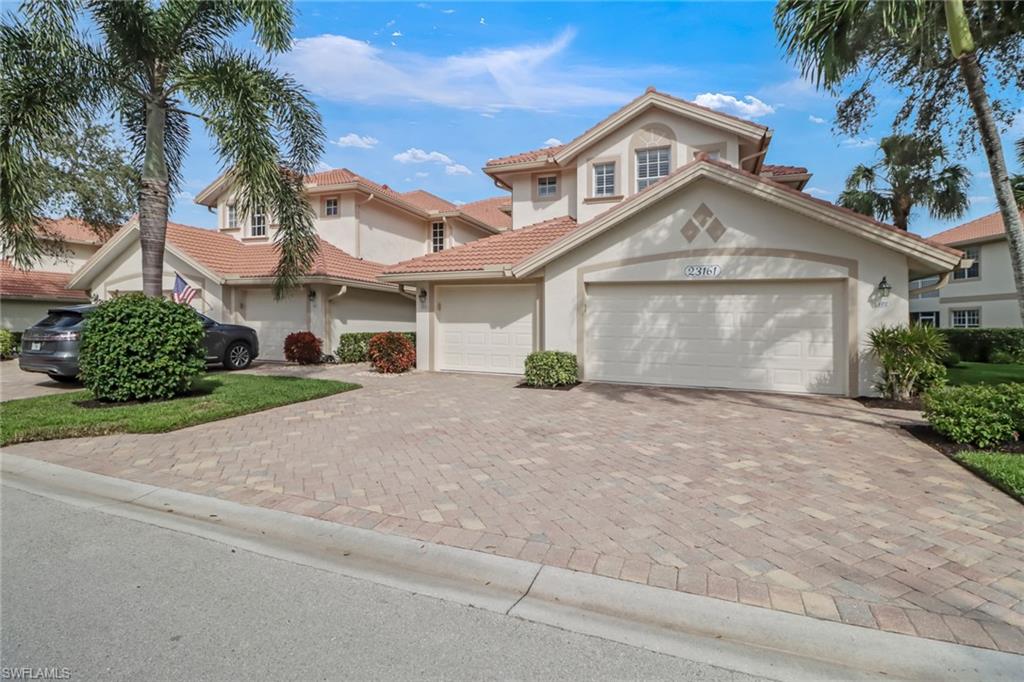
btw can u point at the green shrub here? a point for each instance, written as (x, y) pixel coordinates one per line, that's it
(909, 359)
(140, 348)
(392, 353)
(1001, 357)
(303, 348)
(355, 346)
(8, 344)
(979, 415)
(551, 368)
(978, 345)
(951, 359)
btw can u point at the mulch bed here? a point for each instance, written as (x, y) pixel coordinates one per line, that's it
(549, 388)
(927, 435)
(914, 404)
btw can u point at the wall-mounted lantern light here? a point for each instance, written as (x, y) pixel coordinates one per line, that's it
(423, 294)
(884, 288)
(312, 294)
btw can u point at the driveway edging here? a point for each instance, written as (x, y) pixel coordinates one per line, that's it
(731, 635)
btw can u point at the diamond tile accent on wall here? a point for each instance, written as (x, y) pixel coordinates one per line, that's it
(690, 230)
(703, 214)
(715, 228)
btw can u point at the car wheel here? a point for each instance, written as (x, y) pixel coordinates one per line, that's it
(238, 356)
(63, 378)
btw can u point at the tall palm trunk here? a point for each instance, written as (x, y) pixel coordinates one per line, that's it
(153, 200)
(962, 43)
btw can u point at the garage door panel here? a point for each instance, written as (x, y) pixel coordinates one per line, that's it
(274, 319)
(762, 336)
(485, 328)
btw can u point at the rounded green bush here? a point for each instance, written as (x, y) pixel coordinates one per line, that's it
(551, 368)
(8, 346)
(139, 348)
(979, 415)
(1002, 357)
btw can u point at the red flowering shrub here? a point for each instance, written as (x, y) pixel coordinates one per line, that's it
(391, 353)
(302, 347)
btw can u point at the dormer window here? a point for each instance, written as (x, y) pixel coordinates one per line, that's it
(331, 208)
(547, 187)
(258, 222)
(651, 166)
(436, 237)
(604, 179)
(232, 217)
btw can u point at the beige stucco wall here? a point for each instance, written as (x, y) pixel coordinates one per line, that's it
(339, 230)
(20, 315)
(389, 235)
(125, 275)
(994, 292)
(527, 209)
(363, 310)
(751, 224)
(461, 232)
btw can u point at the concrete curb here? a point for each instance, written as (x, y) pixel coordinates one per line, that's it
(735, 636)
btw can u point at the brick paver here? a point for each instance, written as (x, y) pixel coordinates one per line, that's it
(803, 504)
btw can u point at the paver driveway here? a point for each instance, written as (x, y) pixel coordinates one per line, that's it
(803, 504)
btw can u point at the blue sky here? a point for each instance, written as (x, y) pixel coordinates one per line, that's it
(420, 95)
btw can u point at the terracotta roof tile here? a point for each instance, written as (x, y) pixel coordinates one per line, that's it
(37, 285)
(227, 256)
(532, 155)
(507, 248)
(774, 169)
(979, 228)
(427, 201)
(490, 211)
(71, 230)
(342, 176)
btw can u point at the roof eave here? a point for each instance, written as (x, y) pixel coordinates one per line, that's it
(241, 280)
(498, 272)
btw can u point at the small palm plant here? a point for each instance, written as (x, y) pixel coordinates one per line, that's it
(914, 175)
(909, 359)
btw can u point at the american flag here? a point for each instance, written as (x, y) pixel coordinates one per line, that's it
(182, 293)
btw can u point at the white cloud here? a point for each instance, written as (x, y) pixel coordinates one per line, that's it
(818, 192)
(457, 169)
(982, 199)
(417, 155)
(536, 77)
(482, 21)
(356, 140)
(817, 120)
(749, 106)
(552, 142)
(422, 174)
(447, 11)
(858, 143)
(321, 166)
(396, 34)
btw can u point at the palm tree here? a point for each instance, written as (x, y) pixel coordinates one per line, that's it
(1018, 179)
(156, 66)
(920, 45)
(909, 169)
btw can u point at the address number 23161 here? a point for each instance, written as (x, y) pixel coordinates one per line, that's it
(703, 270)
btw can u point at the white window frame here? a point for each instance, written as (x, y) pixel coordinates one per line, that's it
(258, 222)
(964, 274)
(646, 166)
(927, 318)
(437, 237)
(965, 324)
(604, 179)
(331, 207)
(547, 190)
(231, 219)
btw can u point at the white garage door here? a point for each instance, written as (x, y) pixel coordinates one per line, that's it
(274, 320)
(485, 328)
(757, 336)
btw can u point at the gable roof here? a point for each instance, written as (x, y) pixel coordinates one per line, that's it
(69, 230)
(778, 170)
(987, 227)
(224, 258)
(490, 253)
(37, 285)
(427, 201)
(650, 98)
(496, 211)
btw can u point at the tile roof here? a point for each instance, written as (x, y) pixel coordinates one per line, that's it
(507, 248)
(532, 155)
(774, 169)
(342, 176)
(421, 198)
(229, 257)
(979, 228)
(490, 211)
(37, 285)
(71, 230)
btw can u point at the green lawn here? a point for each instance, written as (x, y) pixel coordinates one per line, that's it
(978, 372)
(1004, 469)
(215, 397)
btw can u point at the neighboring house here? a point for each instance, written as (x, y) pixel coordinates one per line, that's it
(362, 226)
(661, 249)
(981, 295)
(26, 295)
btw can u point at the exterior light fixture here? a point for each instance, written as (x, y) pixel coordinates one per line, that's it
(884, 288)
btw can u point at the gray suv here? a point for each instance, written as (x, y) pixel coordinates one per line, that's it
(51, 345)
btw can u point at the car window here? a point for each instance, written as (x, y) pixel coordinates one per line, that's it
(205, 320)
(61, 320)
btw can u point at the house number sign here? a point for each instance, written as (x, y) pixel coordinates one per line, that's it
(703, 270)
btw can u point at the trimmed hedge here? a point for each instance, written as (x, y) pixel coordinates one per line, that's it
(8, 344)
(980, 414)
(978, 345)
(139, 348)
(551, 368)
(355, 346)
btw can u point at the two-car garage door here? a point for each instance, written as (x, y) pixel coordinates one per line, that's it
(775, 336)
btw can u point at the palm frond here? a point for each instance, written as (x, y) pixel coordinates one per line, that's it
(948, 197)
(867, 202)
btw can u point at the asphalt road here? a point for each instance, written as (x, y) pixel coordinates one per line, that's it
(106, 597)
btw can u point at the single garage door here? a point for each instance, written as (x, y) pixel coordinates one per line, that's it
(274, 320)
(485, 328)
(756, 336)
